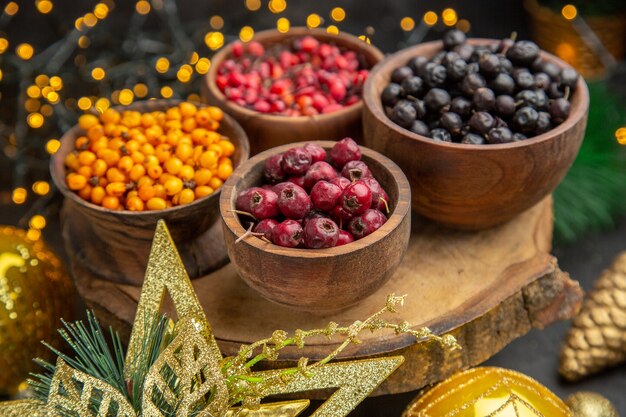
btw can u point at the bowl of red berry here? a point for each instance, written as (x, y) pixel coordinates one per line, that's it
(316, 226)
(282, 87)
(483, 128)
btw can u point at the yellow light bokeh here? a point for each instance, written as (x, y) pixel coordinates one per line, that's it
(35, 120)
(102, 104)
(203, 65)
(365, 39)
(126, 97)
(101, 10)
(620, 135)
(79, 23)
(194, 58)
(52, 146)
(84, 103)
(47, 110)
(4, 45)
(333, 30)
(464, 25)
(84, 42)
(167, 92)
(44, 6)
(407, 23)
(19, 195)
(313, 20)
(53, 97)
(142, 7)
(214, 40)
(32, 104)
(11, 8)
(184, 73)
(277, 6)
(338, 14)
(42, 80)
(33, 91)
(283, 25)
(430, 18)
(566, 52)
(569, 11)
(90, 20)
(162, 65)
(33, 234)
(37, 222)
(216, 22)
(449, 17)
(41, 187)
(253, 5)
(1, 75)
(56, 82)
(98, 73)
(25, 51)
(246, 34)
(140, 90)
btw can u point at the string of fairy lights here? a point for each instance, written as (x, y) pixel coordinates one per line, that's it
(52, 82)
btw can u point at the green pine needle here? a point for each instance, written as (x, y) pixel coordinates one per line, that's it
(594, 190)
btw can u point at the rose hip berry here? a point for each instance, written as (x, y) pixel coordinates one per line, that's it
(317, 172)
(341, 182)
(366, 223)
(356, 198)
(320, 233)
(273, 170)
(344, 238)
(380, 199)
(296, 161)
(356, 170)
(263, 204)
(288, 234)
(294, 202)
(325, 195)
(265, 226)
(344, 151)
(316, 151)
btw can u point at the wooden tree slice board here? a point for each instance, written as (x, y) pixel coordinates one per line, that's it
(486, 288)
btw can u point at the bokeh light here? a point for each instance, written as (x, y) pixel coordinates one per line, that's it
(101, 10)
(464, 25)
(35, 120)
(283, 25)
(25, 51)
(19, 195)
(52, 146)
(11, 8)
(140, 90)
(126, 97)
(142, 7)
(277, 6)
(338, 14)
(167, 92)
(313, 20)
(4, 45)
(407, 23)
(41, 187)
(246, 33)
(214, 40)
(162, 65)
(84, 103)
(98, 73)
(333, 30)
(620, 135)
(569, 11)
(449, 17)
(44, 6)
(203, 65)
(430, 18)
(253, 5)
(216, 22)
(37, 222)
(102, 104)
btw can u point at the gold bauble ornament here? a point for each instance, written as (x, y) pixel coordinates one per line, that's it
(488, 392)
(597, 338)
(590, 404)
(35, 293)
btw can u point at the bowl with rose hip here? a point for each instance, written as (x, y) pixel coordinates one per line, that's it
(125, 168)
(316, 226)
(282, 87)
(483, 128)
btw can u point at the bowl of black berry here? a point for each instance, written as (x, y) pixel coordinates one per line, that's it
(316, 226)
(483, 128)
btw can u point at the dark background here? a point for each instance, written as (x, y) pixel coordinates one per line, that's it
(535, 354)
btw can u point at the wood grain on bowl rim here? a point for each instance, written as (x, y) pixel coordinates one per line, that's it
(401, 206)
(380, 77)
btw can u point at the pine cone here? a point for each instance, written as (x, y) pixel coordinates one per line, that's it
(597, 339)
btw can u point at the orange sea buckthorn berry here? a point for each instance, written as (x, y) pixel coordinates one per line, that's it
(111, 202)
(224, 171)
(125, 164)
(154, 132)
(208, 159)
(184, 151)
(102, 182)
(71, 161)
(86, 121)
(218, 150)
(85, 192)
(213, 137)
(173, 113)
(154, 171)
(150, 160)
(203, 118)
(163, 152)
(186, 173)
(97, 195)
(147, 120)
(156, 203)
(132, 146)
(99, 167)
(225, 160)
(145, 192)
(203, 191)
(76, 181)
(186, 196)
(95, 132)
(164, 177)
(116, 144)
(187, 109)
(215, 183)
(173, 136)
(115, 175)
(173, 125)
(145, 180)
(159, 191)
(109, 129)
(119, 131)
(81, 143)
(173, 165)
(85, 171)
(110, 115)
(109, 156)
(215, 113)
(134, 204)
(98, 144)
(189, 124)
(138, 157)
(147, 149)
(137, 172)
(227, 147)
(173, 186)
(116, 189)
(202, 176)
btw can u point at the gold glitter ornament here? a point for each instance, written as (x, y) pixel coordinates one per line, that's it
(590, 404)
(597, 338)
(488, 392)
(35, 293)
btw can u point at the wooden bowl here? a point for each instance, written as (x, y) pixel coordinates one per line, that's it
(472, 186)
(267, 131)
(117, 244)
(319, 280)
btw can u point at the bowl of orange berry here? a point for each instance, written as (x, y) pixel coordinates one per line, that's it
(125, 168)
